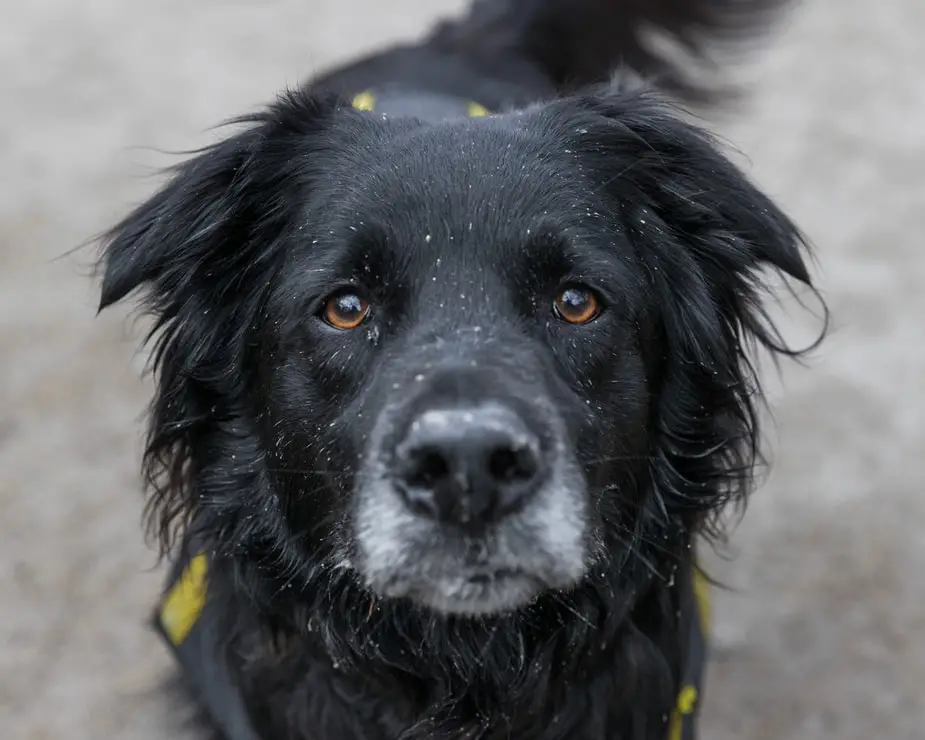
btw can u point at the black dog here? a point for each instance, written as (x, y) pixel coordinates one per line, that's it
(445, 398)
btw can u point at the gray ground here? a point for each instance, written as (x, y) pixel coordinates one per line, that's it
(823, 638)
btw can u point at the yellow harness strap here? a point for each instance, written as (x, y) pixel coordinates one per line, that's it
(184, 600)
(366, 100)
(681, 722)
(475, 110)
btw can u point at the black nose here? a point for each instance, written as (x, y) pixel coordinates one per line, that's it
(468, 466)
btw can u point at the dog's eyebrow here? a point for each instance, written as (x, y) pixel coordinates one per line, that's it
(344, 253)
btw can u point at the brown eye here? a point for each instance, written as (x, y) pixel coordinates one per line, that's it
(577, 305)
(345, 311)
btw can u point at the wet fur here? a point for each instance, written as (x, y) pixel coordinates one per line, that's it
(224, 256)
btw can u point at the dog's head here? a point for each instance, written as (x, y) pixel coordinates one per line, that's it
(464, 364)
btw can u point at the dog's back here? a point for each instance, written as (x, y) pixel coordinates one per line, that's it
(508, 53)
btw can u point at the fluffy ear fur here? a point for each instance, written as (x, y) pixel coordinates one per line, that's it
(165, 243)
(213, 229)
(196, 225)
(708, 238)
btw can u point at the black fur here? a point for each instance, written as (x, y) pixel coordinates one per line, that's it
(263, 416)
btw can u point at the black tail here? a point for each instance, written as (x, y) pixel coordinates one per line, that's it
(574, 43)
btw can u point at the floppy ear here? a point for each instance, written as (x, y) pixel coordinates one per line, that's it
(198, 222)
(691, 202)
(202, 249)
(164, 242)
(706, 237)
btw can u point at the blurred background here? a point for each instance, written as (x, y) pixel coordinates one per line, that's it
(822, 633)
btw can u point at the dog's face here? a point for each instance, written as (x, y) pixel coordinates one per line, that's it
(456, 340)
(465, 362)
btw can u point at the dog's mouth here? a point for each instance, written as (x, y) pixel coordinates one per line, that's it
(470, 592)
(486, 577)
(451, 570)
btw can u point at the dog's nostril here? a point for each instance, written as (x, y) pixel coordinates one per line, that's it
(512, 464)
(430, 468)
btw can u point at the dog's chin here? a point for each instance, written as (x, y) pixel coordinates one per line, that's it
(470, 594)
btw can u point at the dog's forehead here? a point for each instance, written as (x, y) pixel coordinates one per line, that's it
(494, 147)
(469, 181)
